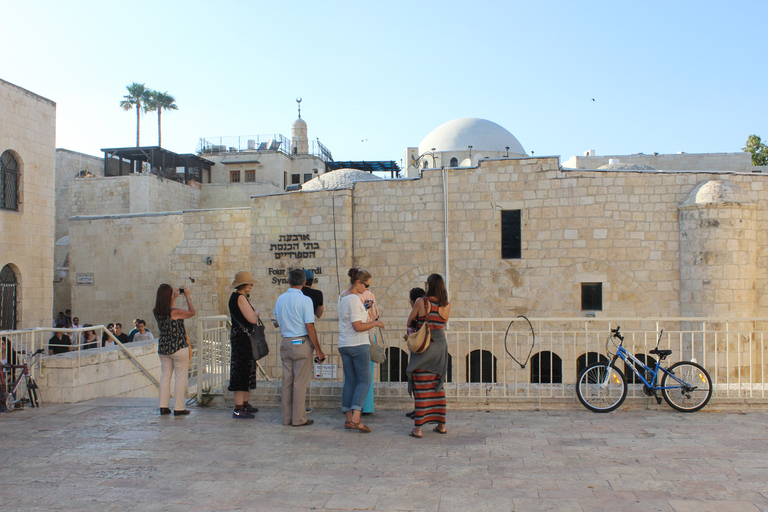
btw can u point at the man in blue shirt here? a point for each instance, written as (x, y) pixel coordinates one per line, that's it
(295, 317)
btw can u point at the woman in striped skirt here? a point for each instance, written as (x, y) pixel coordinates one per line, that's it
(427, 371)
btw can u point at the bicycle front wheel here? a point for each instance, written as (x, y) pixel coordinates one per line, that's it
(601, 388)
(694, 393)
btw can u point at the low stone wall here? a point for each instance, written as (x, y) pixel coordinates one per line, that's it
(97, 373)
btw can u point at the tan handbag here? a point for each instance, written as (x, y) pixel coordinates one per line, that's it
(418, 342)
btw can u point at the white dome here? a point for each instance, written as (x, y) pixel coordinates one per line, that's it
(299, 123)
(338, 179)
(716, 192)
(481, 134)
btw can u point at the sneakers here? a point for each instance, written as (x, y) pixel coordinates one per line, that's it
(250, 408)
(242, 414)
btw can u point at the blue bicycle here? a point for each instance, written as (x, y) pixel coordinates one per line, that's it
(602, 387)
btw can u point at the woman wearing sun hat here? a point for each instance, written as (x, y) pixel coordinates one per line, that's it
(242, 368)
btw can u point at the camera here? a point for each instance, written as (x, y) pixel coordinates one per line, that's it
(181, 291)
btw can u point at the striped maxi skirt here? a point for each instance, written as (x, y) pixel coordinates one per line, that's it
(430, 404)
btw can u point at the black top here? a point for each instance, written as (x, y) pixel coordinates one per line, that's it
(123, 338)
(173, 336)
(236, 314)
(55, 344)
(315, 295)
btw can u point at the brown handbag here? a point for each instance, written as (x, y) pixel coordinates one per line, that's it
(418, 342)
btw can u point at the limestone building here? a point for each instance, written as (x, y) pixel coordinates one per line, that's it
(27, 215)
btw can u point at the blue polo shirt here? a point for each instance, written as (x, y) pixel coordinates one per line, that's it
(293, 310)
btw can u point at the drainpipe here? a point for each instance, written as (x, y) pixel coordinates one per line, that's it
(445, 230)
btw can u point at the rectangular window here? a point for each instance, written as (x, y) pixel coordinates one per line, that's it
(234, 176)
(295, 179)
(250, 176)
(591, 296)
(307, 177)
(511, 237)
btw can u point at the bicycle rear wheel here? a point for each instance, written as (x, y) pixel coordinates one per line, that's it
(696, 392)
(601, 388)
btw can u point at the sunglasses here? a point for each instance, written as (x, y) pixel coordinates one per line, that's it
(367, 285)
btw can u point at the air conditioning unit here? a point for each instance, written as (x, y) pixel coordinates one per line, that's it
(251, 144)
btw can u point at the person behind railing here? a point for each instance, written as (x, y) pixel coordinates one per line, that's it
(59, 343)
(106, 340)
(427, 371)
(142, 334)
(355, 347)
(414, 295)
(90, 339)
(242, 367)
(120, 335)
(8, 357)
(134, 330)
(172, 347)
(77, 336)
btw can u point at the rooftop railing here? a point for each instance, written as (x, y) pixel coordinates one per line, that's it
(274, 142)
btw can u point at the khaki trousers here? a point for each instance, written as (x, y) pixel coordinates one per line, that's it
(176, 364)
(297, 372)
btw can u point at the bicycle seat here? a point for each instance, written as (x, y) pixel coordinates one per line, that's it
(662, 352)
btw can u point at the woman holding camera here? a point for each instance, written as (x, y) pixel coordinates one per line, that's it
(173, 347)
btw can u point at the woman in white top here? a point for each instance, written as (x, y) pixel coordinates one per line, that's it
(354, 348)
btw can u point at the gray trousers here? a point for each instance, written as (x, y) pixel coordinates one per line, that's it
(297, 372)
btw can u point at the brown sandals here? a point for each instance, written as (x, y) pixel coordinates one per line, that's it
(357, 426)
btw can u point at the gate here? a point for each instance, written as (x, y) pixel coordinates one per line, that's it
(8, 296)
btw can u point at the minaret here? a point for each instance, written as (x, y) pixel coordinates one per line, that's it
(299, 140)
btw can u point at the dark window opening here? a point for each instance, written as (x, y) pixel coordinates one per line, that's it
(9, 289)
(591, 296)
(393, 367)
(634, 379)
(589, 359)
(234, 176)
(511, 234)
(546, 368)
(295, 179)
(481, 366)
(9, 181)
(250, 176)
(454, 162)
(307, 177)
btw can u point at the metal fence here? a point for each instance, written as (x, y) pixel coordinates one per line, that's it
(503, 359)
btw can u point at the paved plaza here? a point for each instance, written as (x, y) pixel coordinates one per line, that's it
(117, 454)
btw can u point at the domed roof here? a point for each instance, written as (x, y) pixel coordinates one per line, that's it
(481, 134)
(338, 179)
(299, 123)
(716, 192)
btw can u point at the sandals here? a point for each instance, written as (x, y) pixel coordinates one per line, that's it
(413, 433)
(357, 426)
(437, 429)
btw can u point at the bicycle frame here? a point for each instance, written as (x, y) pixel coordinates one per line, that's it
(23, 375)
(633, 363)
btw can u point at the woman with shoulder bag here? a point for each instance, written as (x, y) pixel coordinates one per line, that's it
(242, 368)
(427, 370)
(173, 347)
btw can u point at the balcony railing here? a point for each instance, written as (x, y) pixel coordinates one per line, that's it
(488, 358)
(273, 142)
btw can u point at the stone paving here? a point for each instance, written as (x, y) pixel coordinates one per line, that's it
(118, 454)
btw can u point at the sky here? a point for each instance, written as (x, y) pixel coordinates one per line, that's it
(376, 77)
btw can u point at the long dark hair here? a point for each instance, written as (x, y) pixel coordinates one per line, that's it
(163, 301)
(436, 288)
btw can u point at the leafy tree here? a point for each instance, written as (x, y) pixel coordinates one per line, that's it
(136, 97)
(159, 101)
(758, 149)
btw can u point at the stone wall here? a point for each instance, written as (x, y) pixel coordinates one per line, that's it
(121, 261)
(234, 195)
(96, 373)
(27, 130)
(675, 162)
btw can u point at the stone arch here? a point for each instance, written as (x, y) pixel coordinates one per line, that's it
(545, 294)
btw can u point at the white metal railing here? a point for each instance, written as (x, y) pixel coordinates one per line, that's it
(733, 350)
(28, 340)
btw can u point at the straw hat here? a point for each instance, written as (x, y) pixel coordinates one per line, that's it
(243, 277)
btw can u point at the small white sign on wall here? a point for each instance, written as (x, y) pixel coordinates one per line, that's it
(84, 279)
(325, 371)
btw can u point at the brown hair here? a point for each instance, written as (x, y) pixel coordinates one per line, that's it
(436, 288)
(358, 274)
(163, 301)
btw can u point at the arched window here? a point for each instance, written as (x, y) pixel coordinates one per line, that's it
(9, 288)
(454, 162)
(393, 367)
(589, 359)
(631, 377)
(9, 181)
(546, 368)
(481, 366)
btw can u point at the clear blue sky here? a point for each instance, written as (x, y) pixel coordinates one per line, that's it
(666, 76)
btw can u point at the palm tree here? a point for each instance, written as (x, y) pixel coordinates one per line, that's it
(137, 95)
(159, 101)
